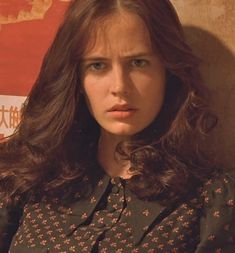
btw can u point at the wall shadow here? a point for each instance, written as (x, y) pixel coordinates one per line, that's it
(218, 70)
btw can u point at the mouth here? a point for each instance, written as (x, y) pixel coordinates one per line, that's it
(122, 108)
(121, 112)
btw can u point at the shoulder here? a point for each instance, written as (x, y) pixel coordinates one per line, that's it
(217, 226)
(219, 190)
(10, 213)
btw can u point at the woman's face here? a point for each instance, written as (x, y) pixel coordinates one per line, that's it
(123, 79)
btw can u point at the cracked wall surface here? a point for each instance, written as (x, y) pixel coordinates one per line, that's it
(210, 29)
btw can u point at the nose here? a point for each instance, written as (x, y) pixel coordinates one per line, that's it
(120, 83)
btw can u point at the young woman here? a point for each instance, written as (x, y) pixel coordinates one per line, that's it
(107, 155)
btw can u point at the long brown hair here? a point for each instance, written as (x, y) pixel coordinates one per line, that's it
(54, 146)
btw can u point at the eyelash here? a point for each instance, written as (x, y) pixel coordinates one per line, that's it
(142, 61)
(92, 66)
(135, 63)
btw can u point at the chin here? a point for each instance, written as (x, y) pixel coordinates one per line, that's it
(125, 131)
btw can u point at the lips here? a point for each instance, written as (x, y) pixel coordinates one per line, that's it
(122, 112)
(121, 108)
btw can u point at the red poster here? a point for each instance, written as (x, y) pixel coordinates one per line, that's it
(27, 28)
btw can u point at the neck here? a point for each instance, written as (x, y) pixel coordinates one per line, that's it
(112, 165)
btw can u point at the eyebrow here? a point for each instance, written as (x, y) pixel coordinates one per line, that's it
(100, 58)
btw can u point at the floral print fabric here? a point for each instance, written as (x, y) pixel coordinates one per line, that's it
(113, 219)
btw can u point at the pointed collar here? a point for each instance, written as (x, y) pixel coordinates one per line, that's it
(83, 208)
(140, 213)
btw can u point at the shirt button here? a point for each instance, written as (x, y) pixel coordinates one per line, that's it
(115, 189)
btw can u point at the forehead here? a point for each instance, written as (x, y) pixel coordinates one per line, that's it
(124, 32)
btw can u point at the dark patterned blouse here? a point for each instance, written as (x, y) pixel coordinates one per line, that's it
(114, 220)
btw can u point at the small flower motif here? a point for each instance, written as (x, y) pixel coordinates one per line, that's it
(28, 235)
(211, 237)
(128, 199)
(170, 223)
(72, 227)
(55, 200)
(216, 214)
(204, 193)
(72, 248)
(160, 246)
(170, 242)
(56, 224)
(185, 224)
(114, 244)
(128, 230)
(84, 216)
(175, 230)
(209, 182)
(121, 199)
(194, 201)
(44, 222)
(155, 239)
(52, 217)
(100, 183)
(160, 228)
(93, 200)
(218, 190)
(218, 250)
(49, 232)
(40, 236)
(31, 240)
(52, 239)
(43, 242)
(184, 206)
(180, 218)
(135, 251)
(150, 234)
(206, 199)
(230, 202)
(166, 235)
(181, 237)
(67, 241)
(128, 213)
(78, 237)
(118, 235)
(225, 180)
(104, 250)
(190, 211)
(145, 245)
(101, 220)
(85, 249)
(146, 212)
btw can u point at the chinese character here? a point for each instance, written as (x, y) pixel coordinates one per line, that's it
(3, 113)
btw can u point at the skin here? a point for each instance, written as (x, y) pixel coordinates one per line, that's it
(120, 68)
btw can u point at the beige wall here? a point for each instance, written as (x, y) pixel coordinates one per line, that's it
(210, 30)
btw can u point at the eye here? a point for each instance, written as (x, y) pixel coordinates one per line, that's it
(139, 63)
(97, 66)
